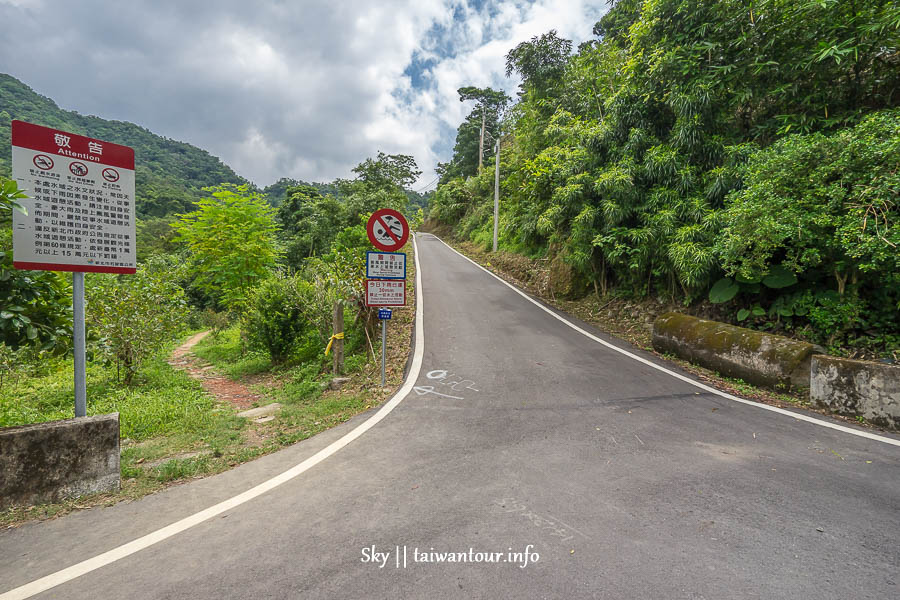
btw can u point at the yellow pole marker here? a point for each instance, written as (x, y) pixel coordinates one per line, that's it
(337, 336)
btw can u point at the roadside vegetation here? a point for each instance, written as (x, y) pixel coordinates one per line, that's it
(263, 281)
(734, 159)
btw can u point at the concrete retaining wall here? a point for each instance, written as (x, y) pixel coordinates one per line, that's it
(47, 462)
(857, 387)
(756, 357)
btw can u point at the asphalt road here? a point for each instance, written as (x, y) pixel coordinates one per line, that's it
(550, 465)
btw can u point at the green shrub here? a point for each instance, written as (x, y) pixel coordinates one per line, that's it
(135, 315)
(35, 306)
(820, 202)
(278, 315)
(826, 209)
(216, 322)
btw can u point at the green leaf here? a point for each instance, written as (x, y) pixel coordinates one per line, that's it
(743, 314)
(724, 290)
(31, 332)
(779, 277)
(758, 311)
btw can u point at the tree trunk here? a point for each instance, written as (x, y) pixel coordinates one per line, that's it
(338, 347)
(841, 282)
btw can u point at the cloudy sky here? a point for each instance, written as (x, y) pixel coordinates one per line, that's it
(281, 88)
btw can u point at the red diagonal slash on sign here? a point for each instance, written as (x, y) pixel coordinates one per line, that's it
(394, 237)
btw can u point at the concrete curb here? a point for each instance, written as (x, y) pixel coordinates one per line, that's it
(758, 358)
(47, 462)
(857, 388)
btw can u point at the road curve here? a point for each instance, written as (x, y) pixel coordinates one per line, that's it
(545, 464)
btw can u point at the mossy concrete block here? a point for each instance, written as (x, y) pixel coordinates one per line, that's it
(48, 462)
(758, 358)
(857, 388)
(563, 278)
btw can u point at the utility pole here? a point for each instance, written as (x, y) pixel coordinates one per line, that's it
(481, 140)
(496, 189)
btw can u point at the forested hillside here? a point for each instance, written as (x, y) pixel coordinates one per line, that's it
(170, 174)
(747, 154)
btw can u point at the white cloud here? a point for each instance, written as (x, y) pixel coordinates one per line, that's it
(280, 89)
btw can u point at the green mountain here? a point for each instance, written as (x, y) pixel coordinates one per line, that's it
(170, 174)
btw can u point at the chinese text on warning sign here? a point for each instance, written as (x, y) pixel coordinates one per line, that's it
(80, 202)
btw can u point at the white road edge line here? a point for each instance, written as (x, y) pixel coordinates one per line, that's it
(712, 390)
(54, 579)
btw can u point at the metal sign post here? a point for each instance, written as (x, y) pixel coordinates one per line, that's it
(383, 346)
(78, 349)
(384, 314)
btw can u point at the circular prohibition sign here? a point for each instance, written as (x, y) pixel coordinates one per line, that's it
(387, 230)
(78, 169)
(42, 161)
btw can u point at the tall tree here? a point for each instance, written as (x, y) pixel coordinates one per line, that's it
(487, 101)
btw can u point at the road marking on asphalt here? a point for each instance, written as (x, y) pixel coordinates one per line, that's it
(421, 390)
(711, 390)
(54, 579)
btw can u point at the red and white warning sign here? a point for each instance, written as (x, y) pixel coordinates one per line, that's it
(385, 292)
(80, 203)
(387, 229)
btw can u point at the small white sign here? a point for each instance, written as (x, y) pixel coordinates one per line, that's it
(386, 265)
(381, 292)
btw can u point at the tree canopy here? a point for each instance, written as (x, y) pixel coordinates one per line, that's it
(232, 242)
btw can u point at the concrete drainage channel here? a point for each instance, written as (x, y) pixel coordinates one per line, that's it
(847, 387)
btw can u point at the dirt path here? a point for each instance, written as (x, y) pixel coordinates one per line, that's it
(225, 390)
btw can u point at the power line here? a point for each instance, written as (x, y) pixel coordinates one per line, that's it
(428, 185)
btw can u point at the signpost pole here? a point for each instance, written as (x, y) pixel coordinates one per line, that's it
(496, 192)
(383, 345)
(78, 331)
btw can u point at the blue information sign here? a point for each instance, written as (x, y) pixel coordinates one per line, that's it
(384, 314)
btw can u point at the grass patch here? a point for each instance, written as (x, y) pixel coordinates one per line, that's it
(227, 353)
(161, 402)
